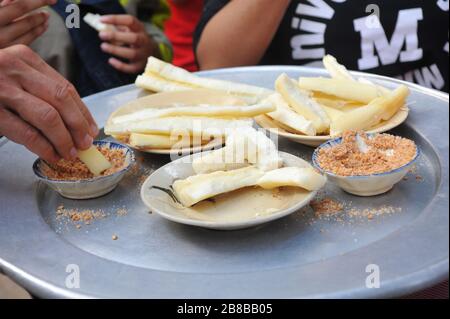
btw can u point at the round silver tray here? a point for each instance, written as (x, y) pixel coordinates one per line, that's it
(300, 256)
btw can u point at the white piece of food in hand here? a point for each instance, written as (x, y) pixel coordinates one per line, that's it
(203, 186)
(169, 125)
(95, 161)
(304, 177)
(200, 110)
(287, 116)
(93, 20)
(302, 103)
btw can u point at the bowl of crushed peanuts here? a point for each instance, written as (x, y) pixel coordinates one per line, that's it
(366, 164)
(92, 175)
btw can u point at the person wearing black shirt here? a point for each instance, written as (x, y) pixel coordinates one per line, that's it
(405, 39)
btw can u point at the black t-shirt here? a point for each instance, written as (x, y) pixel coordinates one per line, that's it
(406, 39)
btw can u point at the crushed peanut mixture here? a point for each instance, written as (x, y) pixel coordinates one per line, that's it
(326, 206)
(371, 213)
(385, 153)
(122, 212)
(77, 170)
(330, 209)
(86, 216)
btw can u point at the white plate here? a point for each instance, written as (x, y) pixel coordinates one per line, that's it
(240, 209)
(159, 100)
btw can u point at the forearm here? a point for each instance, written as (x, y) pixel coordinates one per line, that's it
(240, 33)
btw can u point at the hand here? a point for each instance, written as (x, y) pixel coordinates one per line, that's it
(18, 24)
(130, 42)
(40, 109)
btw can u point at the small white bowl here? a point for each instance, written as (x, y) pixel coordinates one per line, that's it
(88, 188)
(364, 185)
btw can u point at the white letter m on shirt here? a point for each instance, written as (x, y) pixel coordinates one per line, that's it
(374, 40)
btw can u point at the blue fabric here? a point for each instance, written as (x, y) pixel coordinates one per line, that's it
(95, 73)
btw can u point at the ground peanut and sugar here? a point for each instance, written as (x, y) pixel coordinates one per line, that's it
(386, 152)
(77, 170)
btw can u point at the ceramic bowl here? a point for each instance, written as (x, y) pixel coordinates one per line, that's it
(88, 188)
(364, 185)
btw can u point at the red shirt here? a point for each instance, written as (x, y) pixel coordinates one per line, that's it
(180, 28)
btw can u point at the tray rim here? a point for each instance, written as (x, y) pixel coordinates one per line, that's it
(436, 271)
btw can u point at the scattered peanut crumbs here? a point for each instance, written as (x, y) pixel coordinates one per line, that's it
(386, 152)
(371, 213)
(77, 170)
(326, 206)
(78, 217)
(121, 212)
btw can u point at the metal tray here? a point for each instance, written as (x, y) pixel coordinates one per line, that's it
(300, 256)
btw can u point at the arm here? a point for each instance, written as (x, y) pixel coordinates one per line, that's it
(240, 33)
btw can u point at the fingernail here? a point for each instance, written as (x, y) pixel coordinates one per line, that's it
(88, 141)
(73, 153)
(94, 130)
(104, 46)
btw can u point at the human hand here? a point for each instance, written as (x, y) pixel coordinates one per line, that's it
(130, 42)
(18, 24)
(40, 109)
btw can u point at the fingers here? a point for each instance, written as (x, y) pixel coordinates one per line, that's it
(19, 8)
(5, 2)
(130, 38)
(33, 60)
(23, 26)
(21, 132)
(123, 20)
(42, 117)
(29, 37)
(119, 51)
(26, 24)
(60, 96)
(130, 68)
